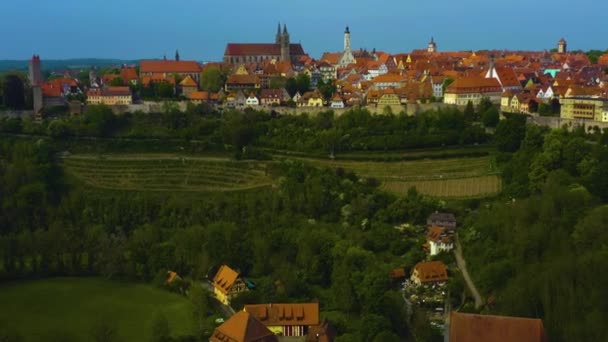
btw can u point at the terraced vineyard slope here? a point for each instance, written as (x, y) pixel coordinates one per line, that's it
(165, 172)
(445, 178)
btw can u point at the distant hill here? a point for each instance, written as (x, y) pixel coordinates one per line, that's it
(58, 64)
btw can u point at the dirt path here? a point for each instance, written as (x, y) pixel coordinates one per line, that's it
(462, 265)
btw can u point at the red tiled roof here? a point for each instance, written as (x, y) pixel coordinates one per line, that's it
(243, 79)
(110, 91)
(473, 85)
(331, 58)
(242, 327)
(225, 279)
(128, 74)
(285, 314)
(487, 328)
(431, 271)
(188, 82)
(166, 66)
(235, 49)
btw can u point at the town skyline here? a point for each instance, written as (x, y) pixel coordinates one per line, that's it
(200, 35)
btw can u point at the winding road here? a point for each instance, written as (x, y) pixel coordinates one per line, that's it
(462, 265)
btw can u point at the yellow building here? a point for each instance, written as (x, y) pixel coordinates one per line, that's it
(188, 86)
(288, 320)
(389, 98)
(591, 108)
(472, 89)
(311, 99)
(227, 284)
(110, 96)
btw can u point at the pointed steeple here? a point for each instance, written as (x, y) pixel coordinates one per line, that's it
(278, 37)
(285, 29)
(176, 55)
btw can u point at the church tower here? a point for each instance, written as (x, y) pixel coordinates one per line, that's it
(562, 46)
(432, 47)
(347, 56)
(285, 56)
(278, 38)
(347, 39)
(177, 55)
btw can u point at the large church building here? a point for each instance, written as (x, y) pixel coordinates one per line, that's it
(282, 50)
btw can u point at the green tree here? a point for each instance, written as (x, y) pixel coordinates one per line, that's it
(327, 88)
(484, 105)
(117, 82)
(277, 82)
(291, 85)
(213, 79)
(491, 117)
(303, 82)
(510, 132)
(469, 112)
(199, 299)
(13, 90)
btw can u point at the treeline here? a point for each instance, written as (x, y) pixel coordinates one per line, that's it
(540, 251)
(355, 130)
(321, 234)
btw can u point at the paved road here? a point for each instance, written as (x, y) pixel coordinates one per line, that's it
(462, 265)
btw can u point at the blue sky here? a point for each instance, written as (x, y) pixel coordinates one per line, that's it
(200, 29)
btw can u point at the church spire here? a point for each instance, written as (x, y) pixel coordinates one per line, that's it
(285, 29)
(176, 55)
(278, 37)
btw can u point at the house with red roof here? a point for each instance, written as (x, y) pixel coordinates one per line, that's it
(227, 283)
(281, 50)
(464, 327)
(111, 96)
(165, 70)
(472, 89)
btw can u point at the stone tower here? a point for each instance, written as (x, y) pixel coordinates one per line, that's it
(35, 76)
(35, 71)
(285, 45)
(562, 46)
(278, 38)
(347, 56)
(347, 39)
(432, 47)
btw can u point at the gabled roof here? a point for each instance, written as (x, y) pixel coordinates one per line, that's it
(243, 79)
(242, 327)
(236, 49)
(285, 314)
(188, 82)
(128, 74)
(225, 278)
(166, 66)
(487, 328)
(473, 84)
(431, 271)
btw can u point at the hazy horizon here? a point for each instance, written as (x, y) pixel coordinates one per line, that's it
(125, 30)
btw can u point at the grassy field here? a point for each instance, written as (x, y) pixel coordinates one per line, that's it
(39, 309)
(165, 172)
(444, 178)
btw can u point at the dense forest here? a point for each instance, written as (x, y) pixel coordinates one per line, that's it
(317, 234)
(203, 128)
(320, 234)
(539, 251)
